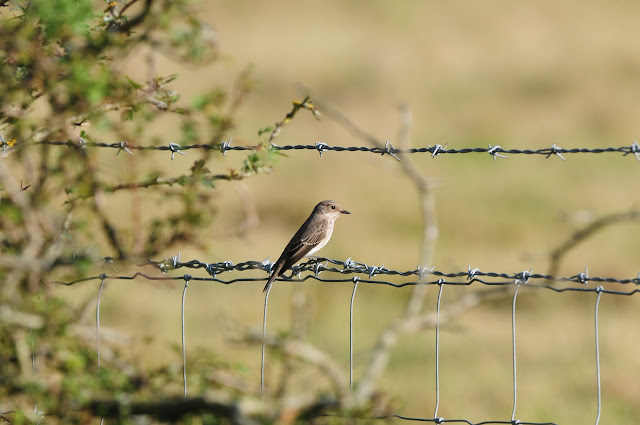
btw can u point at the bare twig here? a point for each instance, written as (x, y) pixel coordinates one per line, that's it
(10, 316)
(33, 226)
(558, 253)
(129, 23)
(424, 187)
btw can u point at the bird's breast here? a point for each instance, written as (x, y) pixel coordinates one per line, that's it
(324, 240)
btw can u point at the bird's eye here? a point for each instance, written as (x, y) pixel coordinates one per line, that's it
(333, 207)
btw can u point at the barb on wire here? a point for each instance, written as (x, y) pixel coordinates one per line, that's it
(389, 149)
(320, 147)
(175, 148)
(556, 150)
(635, 149)
(124, 146)
(493, 151)
(224, 146)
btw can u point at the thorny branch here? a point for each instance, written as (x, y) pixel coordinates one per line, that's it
(305, 104)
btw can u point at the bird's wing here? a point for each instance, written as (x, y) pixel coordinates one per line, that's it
(300, 245)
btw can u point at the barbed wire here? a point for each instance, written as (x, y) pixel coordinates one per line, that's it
(364, 273)
(435, 150)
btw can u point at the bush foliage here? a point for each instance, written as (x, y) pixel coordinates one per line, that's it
(64, 87)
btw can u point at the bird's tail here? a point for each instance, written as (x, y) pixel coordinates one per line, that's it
(269, 282)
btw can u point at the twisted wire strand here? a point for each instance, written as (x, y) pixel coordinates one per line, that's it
(368, 273)
(435, 150)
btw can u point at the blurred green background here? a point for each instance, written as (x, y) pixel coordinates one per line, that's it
(514, 74)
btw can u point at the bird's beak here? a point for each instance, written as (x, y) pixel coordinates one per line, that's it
(345, 212)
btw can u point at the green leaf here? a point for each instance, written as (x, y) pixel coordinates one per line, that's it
(59, 16)
(133, 83)
(264, 130)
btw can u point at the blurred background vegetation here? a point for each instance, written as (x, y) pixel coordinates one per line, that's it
(518, 75)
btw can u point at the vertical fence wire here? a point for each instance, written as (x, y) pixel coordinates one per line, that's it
(264, 338)
(98, 320)
(184, 348)
(435, 413)
(513, 341)
(597, 342)
(102, 281)
(353, 296)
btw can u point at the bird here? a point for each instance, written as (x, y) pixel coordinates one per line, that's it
(312, 236)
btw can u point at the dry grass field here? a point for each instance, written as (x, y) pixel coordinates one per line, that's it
(514, 74)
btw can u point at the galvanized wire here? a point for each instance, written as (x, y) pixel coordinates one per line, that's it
(264, 337)
(437, 419)
(597, 343)
(513, 347)
(184, 345)
(353, 297)
(102, 280)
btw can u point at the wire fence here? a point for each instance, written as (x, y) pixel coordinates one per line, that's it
(434, 151)
(360, 273)
(355, 273)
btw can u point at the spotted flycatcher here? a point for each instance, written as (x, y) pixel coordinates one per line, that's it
(310, 237)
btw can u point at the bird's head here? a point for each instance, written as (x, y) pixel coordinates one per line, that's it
(331, 209)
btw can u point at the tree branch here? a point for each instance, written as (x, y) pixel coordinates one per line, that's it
(558, 253)
(245, 411)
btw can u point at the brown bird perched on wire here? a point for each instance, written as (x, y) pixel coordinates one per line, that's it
(310, 237)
